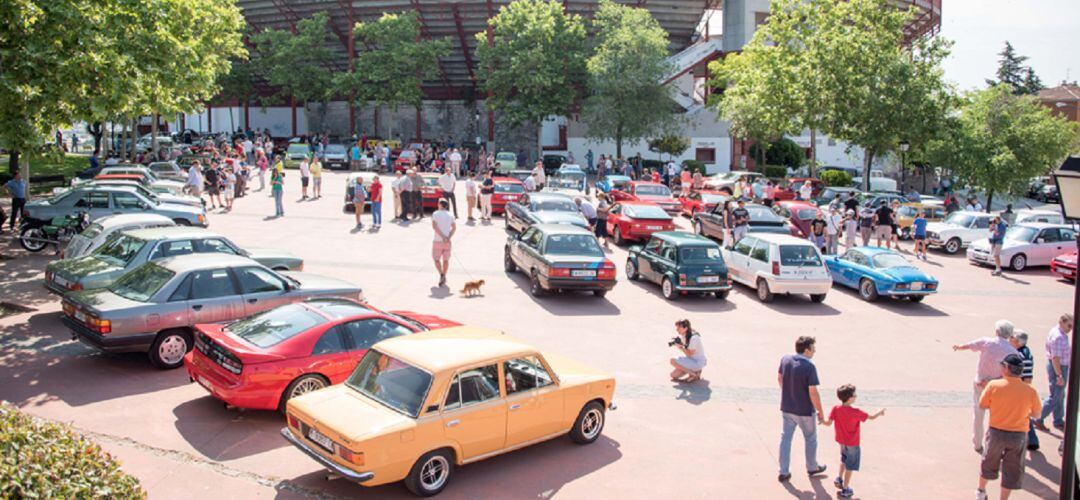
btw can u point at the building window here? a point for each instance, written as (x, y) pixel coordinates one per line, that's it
(705, 155)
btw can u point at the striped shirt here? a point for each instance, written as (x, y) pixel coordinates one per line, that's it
(1029, 363)
(1057, 346)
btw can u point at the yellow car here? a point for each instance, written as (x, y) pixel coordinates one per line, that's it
(418, 405)
(906, 216)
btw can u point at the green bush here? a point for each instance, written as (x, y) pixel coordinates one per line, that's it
(775, 171)
(41, 459)
(653, 164)
(784, 152)
(836, 178)
(695, 166)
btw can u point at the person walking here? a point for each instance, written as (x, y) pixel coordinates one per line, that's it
(487, 191)
(447, 182)
(397, 186)
(230, 188)
(693, 359)
(866, 224)
(359, 199)
(375, 195)
(1058, 354)
(992, 350)
(833, 225)
(277, 187)
(848, 419)
(262, 164)
(416, 194)
(800, 406)
(997, 238)
(851, 230)
(1012, 403)
(316, 178)
(471, 192)
(19, 190)
(445, 227)
(1019, 342)
(305, 176)
(194, 185)
(602, 209)
(895, 238)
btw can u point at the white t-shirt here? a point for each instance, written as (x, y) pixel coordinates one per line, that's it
(541, 176)
(470, 187)
(305, 169)
(833, 223)
(850, 228)
(697, 347)
(455, 157)
(587, 209)
(530, 184)
(444, 221)
(446, 182)
(247, 146)
(806, 191)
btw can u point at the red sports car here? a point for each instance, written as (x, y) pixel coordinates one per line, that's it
(652, 192)
(637, 220)
(800, 213)
(1064, 265)
(261, 361)
(700, 201)
(431, 191)
(507, 190)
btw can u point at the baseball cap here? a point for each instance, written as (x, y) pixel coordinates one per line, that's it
(1014, 362)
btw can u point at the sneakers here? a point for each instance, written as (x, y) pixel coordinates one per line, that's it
(839, 483)
(820, 470)
(846, 493)
(980, 495)
(442, 280)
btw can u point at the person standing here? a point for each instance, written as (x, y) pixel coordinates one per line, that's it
(1012, 403)
(806, 191)
(195, 181)
(918, 233)
(359, 199)
(602, 209)
(213, 185)
(397, 186)
(316, 178)
(997, 237)
(741, 219)
(1058, 355)
(354, 157)
(416, 194)
(833, 224)
(589, 160)
(305, 176)
(851, 230)
(895, 238)
(992, 350)
(693, 359)
(800, 406)
(375, 195)
(277, 188)
(455, 167)
(19, 190)
(230, 187)
(883, 218)
(445, 227)
(487, 190)
(866, 224)
(851, 203)
(1019, 342)
(817, 232)
(471, 192)
(263, 165)
(447, 182)
(530, 183)
(540, 175)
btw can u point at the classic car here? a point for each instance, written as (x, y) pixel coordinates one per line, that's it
(1043, 189)
(100, 201)
(652, 192)
(507, 190)
(552, 163)
(611, 183)
(297, 152)
(1028, 244)
(417, 406)
(762, 220)
(406, 160)
(726, 181)
(637, 220)
(146, 142)
(335, 156)
(350, 183)
(878, 181)
(799, 213)
(905, 217)
(264, 360)
(140, 187)
(133, 248)
(519, 174)
(153, 308)
(778, 263)
(140, 173)
(828, 194)
(680, 263)
(958, 230)
(505, 161)
(558, 257)
(168, 170)
(1064, 265)
(569, 168)
(877, 199)
(789, 189)
(692, 202)
(430, 192)
(875, 271)
(568, 183)
(101, 230)
(1045, 216)
(543, 208)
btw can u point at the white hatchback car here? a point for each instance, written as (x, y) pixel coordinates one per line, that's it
(97, 233)
(778, 263)
(958, 230)
(1031, 244)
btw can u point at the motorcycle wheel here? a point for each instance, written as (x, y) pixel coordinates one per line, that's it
(33, 239)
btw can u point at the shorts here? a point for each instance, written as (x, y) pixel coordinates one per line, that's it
(850, 456)
(883, 231)
(600, 228)
(690, 364)
(995, 250)
(919, 237)
(318, 182)
(212, 190)
(1004, 451)
(304, 181)
(440, 250)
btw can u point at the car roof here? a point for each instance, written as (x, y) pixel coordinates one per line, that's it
(547, 195)
(196, 261)
(450, 348)
(1037, 211)
(127, 219)
(506, 180)
(684, 238)
(872, 251)
(561, 229)
(1042, 225)
(171, 233)
(638, 202)
(781, 239)
(106, 187)
(646, 183)
(618, 177)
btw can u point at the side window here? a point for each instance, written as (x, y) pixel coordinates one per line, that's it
(850, 256)
(257, 280)
(211, 283)
(617, 209)
(860, 259)
(525, 373)
(214, 246)
(93, 199)
(744, 245)
(474, 386)
(528, 236)
(172, 249)
(760, 251)
(653, 246)
(182, 292)
(667, 252)
(330, 342)
(365, 333)
(982, 223)
(1051, 235)
(126, 201)
(1067, 235)
(534, 239)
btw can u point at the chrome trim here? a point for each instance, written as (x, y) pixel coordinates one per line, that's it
(515, 447)
(351, 475)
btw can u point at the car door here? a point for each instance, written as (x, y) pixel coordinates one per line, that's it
(331, 356)
(515, 213)
(712, 222)
(534, 402)
(664, 262)
(649, 253)
(165, 249)
(360, 335)
(979, 228)
(614, 215)
(124, 202)
(531, 258)
(739, 261)
(261, 289)
(474, 411)
(857, 267)
(1046, 246)
(758, 262)
(95, 203)
(211, 296)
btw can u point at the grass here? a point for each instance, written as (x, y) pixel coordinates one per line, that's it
(68, 165)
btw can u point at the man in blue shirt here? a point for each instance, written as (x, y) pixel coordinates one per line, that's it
(17, 187)
(918, 227)
(800, 406)
(354, 157)
(997, 237)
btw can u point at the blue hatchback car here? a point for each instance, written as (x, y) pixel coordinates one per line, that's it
(610, 182)
(875, 271)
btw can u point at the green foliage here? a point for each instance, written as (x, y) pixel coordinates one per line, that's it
(784, 152)
(1012, 72)
(626, 101)
(775, 171)
(836, 178)
(671, 145)
(695, 166)
(297, 62)
(653, 164)
(45, 460)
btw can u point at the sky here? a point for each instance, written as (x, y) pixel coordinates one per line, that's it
(1047, 31)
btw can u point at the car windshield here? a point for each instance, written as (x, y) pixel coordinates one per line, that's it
(960, 219)
(299, 149)
(907, 211)
(59, 196)
(335, 149)
(573, 244)
(887, 260)
(653, 190)
(645, 212)
(1020, 233)
(120, 250)
(430, 180)
(406, 154)
(506, 156)
(799, 255)
(619, 184)
(713, 198)
(141, 283)
(276, 325)
(391, 382)
(710, 255)
(763, 214)
(553, 205)
(509, 187)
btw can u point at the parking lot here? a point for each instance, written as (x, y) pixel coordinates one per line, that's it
(718, 436)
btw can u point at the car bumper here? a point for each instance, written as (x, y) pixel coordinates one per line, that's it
(722, 287)
(810, 287)
(980, 256)
(576, 284)
(1062, 270)
(139, 342)
(236, 393)
(351, 475)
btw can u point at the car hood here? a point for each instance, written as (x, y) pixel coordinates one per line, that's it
(939, 227)
(347, 415)
(269, 254)
(552, 217)
(179, 199)
(1069, 258)
(907, 274)
(82, 267)
(322, 284)
(984, 244)
(166, 206)
(659, 200)
(573, 372)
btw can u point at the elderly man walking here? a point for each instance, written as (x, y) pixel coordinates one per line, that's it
(992, 350)
(800, 406)
(1012, 403)
(1058, 354)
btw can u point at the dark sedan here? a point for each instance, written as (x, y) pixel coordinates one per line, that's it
(762, 220)
(543, 208)
(559, 257)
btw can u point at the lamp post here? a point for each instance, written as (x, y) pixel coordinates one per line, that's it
(904, 146)
(1067, 178)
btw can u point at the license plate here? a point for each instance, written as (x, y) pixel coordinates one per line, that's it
(916, 286)
(321, 440)
(583, 273)
(709, 279)
(655, 228)
(202, 380)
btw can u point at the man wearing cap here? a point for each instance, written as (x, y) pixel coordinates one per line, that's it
(1012, 403)
(991, 351)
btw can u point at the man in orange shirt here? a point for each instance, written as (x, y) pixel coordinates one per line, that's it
(1012, 403)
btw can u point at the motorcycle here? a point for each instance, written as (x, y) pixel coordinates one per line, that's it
(36, 234)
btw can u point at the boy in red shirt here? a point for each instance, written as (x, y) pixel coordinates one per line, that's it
(848, 419)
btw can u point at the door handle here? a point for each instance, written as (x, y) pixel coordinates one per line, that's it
(453, 423)
(514, 407)
(252, 301)
(197, 307)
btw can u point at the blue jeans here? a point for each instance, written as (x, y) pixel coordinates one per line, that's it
(1056, 402)
(376, 212)
(278, 202)
(808, 426)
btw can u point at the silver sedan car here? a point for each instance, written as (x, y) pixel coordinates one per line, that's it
(133, 248)
(153, 308)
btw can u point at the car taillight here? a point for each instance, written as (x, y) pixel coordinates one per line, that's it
(294, 422)
(68, 309)
(99, 325)
(200, 342)
(355, 458)
(776, 268)
(607, 270)
(231, 364)
(74, 287)
(559, 272)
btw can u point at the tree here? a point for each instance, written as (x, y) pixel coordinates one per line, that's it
(672, 145)
(1032, 83)
(784, 151)
(296, 61)
(626, 101)
(397, 61)
(535, 65)
(1012, 72)
(999, 141)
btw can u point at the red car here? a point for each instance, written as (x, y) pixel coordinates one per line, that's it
(637, 220)
(1064, 265)
(700, 201)
(652, 192)
(799, 213)
(787, 192)
(431, 191)
(507, 190)
(262, 361)
(405, 160)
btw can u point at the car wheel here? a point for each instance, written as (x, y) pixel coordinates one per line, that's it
(182, 222)
(535, 288)
(817, 298)
(699, 228)
(905, 233)
(1019, 262)
(952, 246)
(302, 385)
(916, 298)
(508, 262)
(33, 239)
(668, 289)
(599, 293)
(722, 295)
(430, 474)
(763, 293)
(589, 423)
(168, 349)
(618, 236)
(631, 270)
(868, 290)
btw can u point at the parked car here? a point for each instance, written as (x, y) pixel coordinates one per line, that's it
(543, 208)
(789, 191)
(1037, 184)
(680, 263)
(611, 183)
(140, 187)
(262, 361)
(569, 183)
(131, 249)
(762, 220)
(505, 161)
(905, 217)
(652, 192)
(876, 272)
(958, 230)
(405, 160)
(569, 168)
(350, 183)
(335, 156)
(145, 143)
(296, 152)
(692, 202)
(430, 192)
(827, 195)
(637, 221)
(142, 173)
(1044, 216)
(878, 181)
(105, 228)
(778, 263)
(100, 201)
(558, 257)
(552, 163)
(507, 190)
(877, 199)
(1026, 245)
(799, 213)
(725, 181)
(1064, 265)
(168, 170)
(463, 394)
(520, 175)
(153, 308)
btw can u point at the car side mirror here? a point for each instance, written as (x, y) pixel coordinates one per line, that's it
(635, 248)
(1040, 240)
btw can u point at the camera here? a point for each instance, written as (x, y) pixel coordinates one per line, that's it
(674, 341)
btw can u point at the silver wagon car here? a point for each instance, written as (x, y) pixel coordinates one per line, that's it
(152, 308)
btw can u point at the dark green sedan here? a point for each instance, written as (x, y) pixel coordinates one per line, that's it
(680, 262)
(558, 257)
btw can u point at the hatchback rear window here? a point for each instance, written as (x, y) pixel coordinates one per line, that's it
(276, 325)
(799, 255)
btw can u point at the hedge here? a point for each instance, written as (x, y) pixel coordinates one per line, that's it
(653, 164)
(836, 178)
(695, 166)
(40, 459)
(775, 171)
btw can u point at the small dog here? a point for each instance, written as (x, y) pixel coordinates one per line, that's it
(472, 288)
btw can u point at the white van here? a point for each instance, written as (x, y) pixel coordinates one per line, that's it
(778, 263)
(97, 233)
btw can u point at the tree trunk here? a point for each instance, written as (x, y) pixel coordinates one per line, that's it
(95, 129)
(618, 143)
(26, 172)
(539, 140)
(868, 159)
(13, 161)
(153, 136)
(123, 139)
(989, 200)
(813, 152)
(134, 132)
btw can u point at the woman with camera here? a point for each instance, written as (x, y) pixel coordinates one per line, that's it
(693, 360)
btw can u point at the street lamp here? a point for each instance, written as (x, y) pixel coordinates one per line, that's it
(904, 146)
(1067, 178)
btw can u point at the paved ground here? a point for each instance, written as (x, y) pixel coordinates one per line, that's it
(665, 440)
